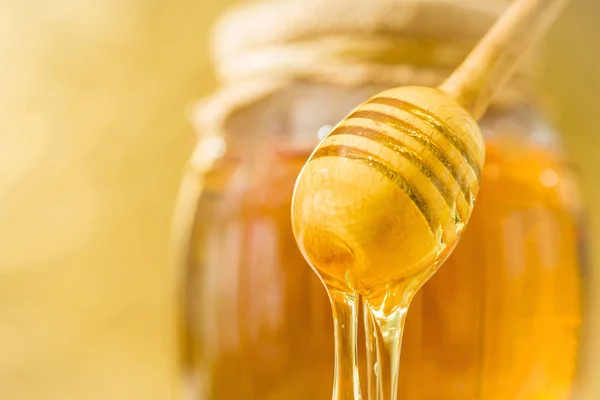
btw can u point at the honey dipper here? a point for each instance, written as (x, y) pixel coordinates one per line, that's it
(383, 199)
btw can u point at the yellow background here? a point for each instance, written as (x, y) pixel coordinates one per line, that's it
(93, 138)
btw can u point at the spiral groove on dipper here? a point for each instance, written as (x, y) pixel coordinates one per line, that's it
(383, 167)
(433, 121)
(417, 151)
(401, 149)
(413, 132)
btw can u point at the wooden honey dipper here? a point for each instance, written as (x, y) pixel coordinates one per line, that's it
(383, 199)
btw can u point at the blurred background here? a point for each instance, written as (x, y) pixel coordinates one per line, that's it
(94, 136)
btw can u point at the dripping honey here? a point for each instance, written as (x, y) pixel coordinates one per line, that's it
(500, 320)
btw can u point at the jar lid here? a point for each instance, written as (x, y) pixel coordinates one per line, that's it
(270, 22)
(242, 37)
(262, 47)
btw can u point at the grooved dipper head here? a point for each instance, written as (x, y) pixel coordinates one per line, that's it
(388, 192)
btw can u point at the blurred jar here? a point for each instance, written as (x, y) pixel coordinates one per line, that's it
(499, 321)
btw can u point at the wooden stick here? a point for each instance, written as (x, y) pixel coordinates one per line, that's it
(493, 60)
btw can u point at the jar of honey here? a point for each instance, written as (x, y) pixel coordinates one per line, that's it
(500, 320)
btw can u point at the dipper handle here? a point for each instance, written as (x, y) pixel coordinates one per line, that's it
(493, 60)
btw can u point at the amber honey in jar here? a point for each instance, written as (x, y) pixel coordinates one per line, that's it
(501, 318)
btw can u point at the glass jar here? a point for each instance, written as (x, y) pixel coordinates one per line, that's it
(500, 320)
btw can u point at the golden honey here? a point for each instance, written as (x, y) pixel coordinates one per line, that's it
(500, 320)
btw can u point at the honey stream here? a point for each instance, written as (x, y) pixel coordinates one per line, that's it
(384, 311)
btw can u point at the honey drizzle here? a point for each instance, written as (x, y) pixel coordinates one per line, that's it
(346, 382)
